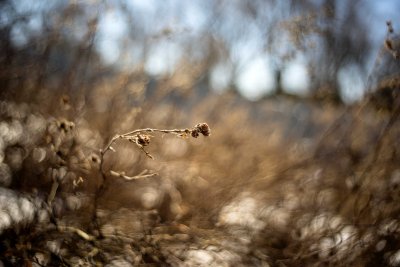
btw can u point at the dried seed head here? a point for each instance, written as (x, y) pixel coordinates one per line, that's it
(143, 139)
(202, 128)
(195, 133)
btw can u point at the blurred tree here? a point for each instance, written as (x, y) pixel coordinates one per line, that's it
(329, 35)
(337, 38)
(47, 47)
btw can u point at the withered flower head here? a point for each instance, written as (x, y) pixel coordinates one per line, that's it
(195, 133)
(202, 128)
(143, 139)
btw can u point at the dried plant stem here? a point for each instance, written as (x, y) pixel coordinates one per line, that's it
(131, 135)
(141, 138)
(139, 131)
(136, 177)
(77, 231)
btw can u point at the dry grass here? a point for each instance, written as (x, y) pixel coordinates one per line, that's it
(299, 194)
(280, 182)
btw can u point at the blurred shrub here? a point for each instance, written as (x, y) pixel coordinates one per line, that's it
(280, 182)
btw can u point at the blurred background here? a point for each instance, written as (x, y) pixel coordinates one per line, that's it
(255, 48)
(301, 168)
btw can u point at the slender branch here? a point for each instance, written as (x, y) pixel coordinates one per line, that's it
(136, 137)
(141, 138)
(150, 130)
(77, 231)
(132, 134)
(136, 177)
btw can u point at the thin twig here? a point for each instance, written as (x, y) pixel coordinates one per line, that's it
(77, 231)
(141, 139)
(132, 134)
(136, 177)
